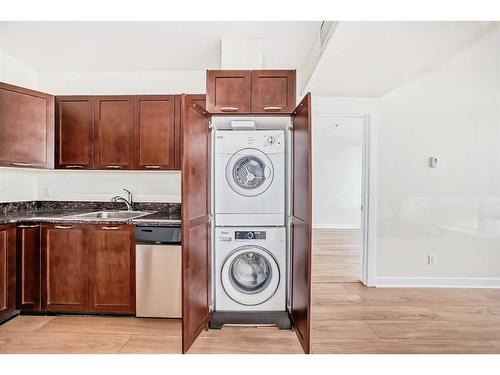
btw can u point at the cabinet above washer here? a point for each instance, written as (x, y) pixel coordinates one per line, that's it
(251, 91)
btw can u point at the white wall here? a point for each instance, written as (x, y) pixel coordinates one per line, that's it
(122, 83)
(17, 185)
(337, 171)
(103, 185)
(16, 73)
(453, 112)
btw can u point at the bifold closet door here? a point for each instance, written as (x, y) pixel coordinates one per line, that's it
(195, 217)
(301, 222)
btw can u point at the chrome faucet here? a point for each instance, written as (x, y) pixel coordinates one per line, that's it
(129, 201)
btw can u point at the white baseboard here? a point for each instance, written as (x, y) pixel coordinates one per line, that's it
(436, 282)
(335, 226)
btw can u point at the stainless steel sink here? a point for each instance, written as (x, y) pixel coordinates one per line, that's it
(109, 215)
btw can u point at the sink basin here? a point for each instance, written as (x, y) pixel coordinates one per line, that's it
(110, 215)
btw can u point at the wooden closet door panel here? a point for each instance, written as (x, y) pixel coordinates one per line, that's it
(301, 225)
(178, 133)
(154, 132)
(28, 267)
(273, 91)
(112, 268)
(7, 270)
(26, 127)
(74, 132)
(114, 117)
(229, 91)
(64, 268)
(195, 219)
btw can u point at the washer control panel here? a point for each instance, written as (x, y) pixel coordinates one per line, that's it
(250, 235)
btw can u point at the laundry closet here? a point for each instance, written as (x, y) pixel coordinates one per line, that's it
(246, 193)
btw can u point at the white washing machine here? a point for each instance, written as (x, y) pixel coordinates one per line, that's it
(250, 269)
(249, 177)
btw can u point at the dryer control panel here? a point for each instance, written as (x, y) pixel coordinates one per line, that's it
(249, 235)
(231, 141)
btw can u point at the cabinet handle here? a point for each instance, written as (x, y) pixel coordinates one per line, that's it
(22, 165)
(275, 108)
(229, 109)
(74, 166)
(113, 167)
(110, 228)
(28, 226)
(153, 167)
(63, 226)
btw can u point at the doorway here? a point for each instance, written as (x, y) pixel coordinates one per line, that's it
(340, 171)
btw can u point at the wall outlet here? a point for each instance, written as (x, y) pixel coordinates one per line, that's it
(431, 259)
(47, 192)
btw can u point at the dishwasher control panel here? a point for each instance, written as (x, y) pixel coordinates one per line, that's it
(158, 235)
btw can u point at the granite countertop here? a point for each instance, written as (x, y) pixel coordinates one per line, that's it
(155, 218)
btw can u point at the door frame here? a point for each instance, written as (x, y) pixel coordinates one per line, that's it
(368, 192)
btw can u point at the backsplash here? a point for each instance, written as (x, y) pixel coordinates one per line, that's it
(17, 206)
(83, 205)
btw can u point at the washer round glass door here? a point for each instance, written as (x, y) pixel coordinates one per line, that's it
(250, 275)
(249, 172)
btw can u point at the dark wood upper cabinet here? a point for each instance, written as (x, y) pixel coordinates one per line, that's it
(7, 270)
(64, 268)
(154, 132)
(28, 267)
(301, 222)
(74, 132)
(229, 91)
(195, 219)
(26, 128)
(273, 91)
(112, 268)
(114, 122)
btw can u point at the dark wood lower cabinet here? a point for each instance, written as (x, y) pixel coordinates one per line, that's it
(84, 268)
(28, 267)
(7, 270)
(112, 268)
(64, 268)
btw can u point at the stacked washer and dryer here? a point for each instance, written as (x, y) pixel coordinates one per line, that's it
(250, 257)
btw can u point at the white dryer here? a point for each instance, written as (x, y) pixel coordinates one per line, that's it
(250, 272)
(249, 177)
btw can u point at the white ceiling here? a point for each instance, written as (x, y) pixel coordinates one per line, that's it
(148, 46)
(369, 59)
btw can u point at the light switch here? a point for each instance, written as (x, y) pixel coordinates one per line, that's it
(433, 162)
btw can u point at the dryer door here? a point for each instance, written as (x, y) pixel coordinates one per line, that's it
(249, 172)
(250, 275)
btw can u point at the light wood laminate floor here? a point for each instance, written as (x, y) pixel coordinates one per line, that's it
(336, 255)
(346, 318)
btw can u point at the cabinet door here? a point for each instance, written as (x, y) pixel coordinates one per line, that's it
(26, 128)
(273, 91)
(229, 91)
(114, 116)
(195, 219)
(74, 132)
(7, 270)
(154, 132)
(301, 222)
(112, 268)
(28, 267)
(64, 268)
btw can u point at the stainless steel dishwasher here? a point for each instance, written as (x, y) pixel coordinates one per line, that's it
(158, 272)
